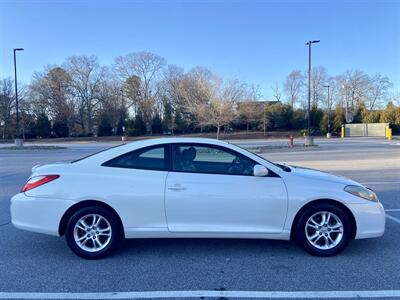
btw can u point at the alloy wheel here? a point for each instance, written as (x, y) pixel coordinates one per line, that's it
(324, 230)
(92, 233)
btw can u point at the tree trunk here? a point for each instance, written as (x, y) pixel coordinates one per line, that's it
(218, 130)
(264, 127)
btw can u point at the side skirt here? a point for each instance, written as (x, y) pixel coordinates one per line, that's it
(142, 233)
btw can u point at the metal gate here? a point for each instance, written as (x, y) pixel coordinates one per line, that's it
(365, 129)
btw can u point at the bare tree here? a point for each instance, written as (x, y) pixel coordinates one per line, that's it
(142, 72)
(51, 93)
(86, 78)
(377, 90)
(197, 86)
(112, 104)
(193, 89)
(277, 94)
(250, 110)
(319, 77)
(293, 86)
(356, 85)
(219, 110)
(131, 87)
(7, 102)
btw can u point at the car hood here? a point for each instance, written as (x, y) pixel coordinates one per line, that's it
(319, 175)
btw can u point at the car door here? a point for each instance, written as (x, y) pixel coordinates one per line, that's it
(211, 189)
(134, 184)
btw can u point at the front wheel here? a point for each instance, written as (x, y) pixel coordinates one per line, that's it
(323, 230)
(93, 232)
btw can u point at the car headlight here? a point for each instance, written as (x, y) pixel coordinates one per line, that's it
(361, 192)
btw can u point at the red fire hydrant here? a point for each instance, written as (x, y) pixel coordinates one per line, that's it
(291, 140)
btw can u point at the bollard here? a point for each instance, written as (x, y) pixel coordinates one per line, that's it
(19, 142)
(389, 135)
(386, 131)
(291, 140)
(342, 135)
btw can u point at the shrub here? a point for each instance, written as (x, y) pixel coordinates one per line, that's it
(338, 119)
(60, 128)
(279, 115)
(323, 125)
(105, 128)
(42, 126)
(135, 126)
(156, 124)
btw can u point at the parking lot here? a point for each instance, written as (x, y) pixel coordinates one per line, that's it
(34, 263)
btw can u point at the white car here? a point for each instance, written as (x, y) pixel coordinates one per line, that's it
(197, 188)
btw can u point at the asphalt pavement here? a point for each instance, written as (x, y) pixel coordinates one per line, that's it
(32, 262)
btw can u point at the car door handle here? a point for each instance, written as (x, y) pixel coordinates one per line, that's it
(177, 187)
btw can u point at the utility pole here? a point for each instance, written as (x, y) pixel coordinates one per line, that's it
(309, 43)
(344, 86)
(329, 110)
(18, 138)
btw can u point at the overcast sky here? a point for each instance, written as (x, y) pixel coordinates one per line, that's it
(257, 41)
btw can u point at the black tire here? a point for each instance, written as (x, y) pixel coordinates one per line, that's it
(300, 230)
(115, 233)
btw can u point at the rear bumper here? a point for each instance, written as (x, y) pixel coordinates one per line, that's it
(370, 219)
(41, 215)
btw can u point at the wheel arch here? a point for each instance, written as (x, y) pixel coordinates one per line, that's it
(82, 204)
(324, 201)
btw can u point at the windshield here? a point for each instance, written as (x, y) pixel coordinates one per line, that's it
(283, 167)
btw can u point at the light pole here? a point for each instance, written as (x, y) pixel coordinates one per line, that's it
(309, 85)
(329, 111)
(344, 86)
(18, 139)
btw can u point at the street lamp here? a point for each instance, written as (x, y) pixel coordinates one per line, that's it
(329, 112)
(18, 139)
(309, 83)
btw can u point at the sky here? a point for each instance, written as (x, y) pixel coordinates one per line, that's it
(259, 42)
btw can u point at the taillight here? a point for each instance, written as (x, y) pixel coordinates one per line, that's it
(38, 181)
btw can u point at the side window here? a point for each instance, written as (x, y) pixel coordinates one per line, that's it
(209, 159)
(150, 158)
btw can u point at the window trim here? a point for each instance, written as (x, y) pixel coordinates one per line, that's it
(225, 149)
(142, 150)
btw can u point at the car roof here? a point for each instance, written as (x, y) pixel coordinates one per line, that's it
(124, 148)
(108, 154)
(157, 141)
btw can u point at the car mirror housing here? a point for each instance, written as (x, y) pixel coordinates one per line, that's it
(260, 171)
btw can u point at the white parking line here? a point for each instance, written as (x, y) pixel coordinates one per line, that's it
(393, 218)
(392, 209)
(194, 294)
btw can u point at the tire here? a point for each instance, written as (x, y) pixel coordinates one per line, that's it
(90, 240)
(321, 238)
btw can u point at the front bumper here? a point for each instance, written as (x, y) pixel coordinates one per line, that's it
(370, 219)
(41, 215)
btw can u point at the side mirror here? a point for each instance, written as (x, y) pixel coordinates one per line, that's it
(260, 171)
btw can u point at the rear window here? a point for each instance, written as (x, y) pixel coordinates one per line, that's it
(90, 155)
(149, 158)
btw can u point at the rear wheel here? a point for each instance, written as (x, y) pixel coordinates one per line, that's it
(323, 230)
(93, 232)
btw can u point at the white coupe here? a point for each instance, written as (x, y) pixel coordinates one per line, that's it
(197, 188)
